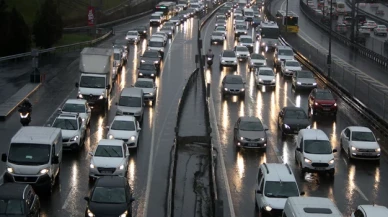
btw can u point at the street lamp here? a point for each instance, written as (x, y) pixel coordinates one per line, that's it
(330, 33)
(286, 23)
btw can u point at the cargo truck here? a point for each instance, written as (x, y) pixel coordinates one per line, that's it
(95, 82)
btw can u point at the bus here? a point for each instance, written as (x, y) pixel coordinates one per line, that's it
(269, 34)
(341, 8)
(169, 9)
(289, 22)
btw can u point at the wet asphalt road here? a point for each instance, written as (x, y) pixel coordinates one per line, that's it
(354, 183)
(152, 158)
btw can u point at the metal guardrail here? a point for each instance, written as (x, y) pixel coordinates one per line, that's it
(358, 48)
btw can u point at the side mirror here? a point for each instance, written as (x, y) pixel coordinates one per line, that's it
(76, 84)
(302, 193)
(55, 160)
(265, 127)
(4, 157)
(334, 150)
(108, 86)
(59, 109)
(91, 153)
(259, 192)
(298, 149)
(138, 129)
(132, 200)
(87, 199)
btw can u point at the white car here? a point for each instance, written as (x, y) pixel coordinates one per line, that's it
(156, 44)
(380, 30)
(171, 25)
(370, 24)
(265, 76)
(73, 131)
(256, 61)
(217, 38)
(242, 53)
(314, 152)
(176, 20)
(222, 29)
(237, 13)
(228, 58)
(246, 41)
(162, 35)
(149, 89)
(110, 158)
(77, 106)
(370, 210)
(360, 143)
(240, 30)
(133, 36)
(167, 30)
(238, 19)
(288, 67)
(125, 128)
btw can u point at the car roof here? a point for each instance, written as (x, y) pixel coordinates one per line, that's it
(36, 135)
(278, 172)
(291, 61)
(250, 118)
(283, 47)
(76, 101)
(265, 68)
(124, 118)
(131, 91)
(359, 128)
(313, 134)
(145, 79)
(111, 181)
(322, 90)
(374, 210)
(317, 203)
(11, 190)
(240, 46)
(111, 142)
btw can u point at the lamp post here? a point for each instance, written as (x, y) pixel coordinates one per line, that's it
(330, 33)
(286, 21)
(352, 35)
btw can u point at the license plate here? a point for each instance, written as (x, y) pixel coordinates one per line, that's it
(252, 144)
(326, 109)
(105, 172)
(320, 168)
(367, 154)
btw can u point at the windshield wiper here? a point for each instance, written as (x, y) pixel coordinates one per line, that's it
(106, 153)
(117, 154)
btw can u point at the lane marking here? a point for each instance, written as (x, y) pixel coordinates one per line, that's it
(360, 192)
(66, 203)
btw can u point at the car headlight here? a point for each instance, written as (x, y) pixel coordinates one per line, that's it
(378, 149)
(124, 214)
(132, 138)
(10, 169)
(307, 160)
(44, 171)
(144, 31)
(299, 83)
(273, 80)
(241, 138)
(110, 136)
(268, 208)
(119, 112)
(242, 89)
(245, 32)
(141, 74)
(331, 161)
(92, 166)
(90, 214)
(315, 84)
(335, 104)
(152, 75)
(286, 126)
(101, 97)
(260, 79)
(223, 61)
(316, 103)
(143, 61)
(151, 94)
(156, 62)
(354, 149)
(287, 70)
(121, 167)
(74, 138)
(308, 127)
(262, 139)
(226, 89)
(83, 119)
(80, 96)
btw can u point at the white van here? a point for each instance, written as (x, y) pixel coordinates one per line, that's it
(310, 207)
(156, 19)
(248, 14)
(34, 157)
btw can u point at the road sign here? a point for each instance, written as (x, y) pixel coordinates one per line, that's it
(91, 14)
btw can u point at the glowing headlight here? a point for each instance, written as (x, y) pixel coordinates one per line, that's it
(121, 167)
(124, 214)
(331, 161)
(354, 149)
(262, 139)
(10, 169)
(226, 89)
(44, 171)
(156, 62)
(308, 127)
(101, 97)
(83, 119)
(299, 83)
(242, 89)
(80, 96)
(140, 74)
(152, 75)
(307, 160)
(268, 208)
(110, 136)
(133, 138)
(316, 103)
(74, 138)
(92, 166)
(151, 94)
(24, 116)
(222, 61)
(144, 31)
(315, 84)
(335, 104)
(143, 61)
(260, 79)
(90, 214)
(378, 149)
(273, 80)
(286, 126)
(241, 138)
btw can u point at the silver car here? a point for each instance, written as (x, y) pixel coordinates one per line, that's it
(303, 80)
(149, 89)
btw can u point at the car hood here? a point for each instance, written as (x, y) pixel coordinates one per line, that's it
(91, 91)
(240, 30)
(234, 86)
(256, 61)
(229, 58)
(266, 77)
(252, 134)
(122, 134)
(276, 203)
(242, 53)
(319, 158)
(147, 90)
(156, 48)
(365, 145)
(285, 57)
(294, 68)
(134, 110)
(306, 80)
(107, 161)
(131, 36)
(246, 44)
(217, 37)
(107, 210)
(146, 72)
(303, 123)
(149, 59)
(67, 134)
(168, 31)
(328, 102)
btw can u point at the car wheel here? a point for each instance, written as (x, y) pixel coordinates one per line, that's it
(221, 67)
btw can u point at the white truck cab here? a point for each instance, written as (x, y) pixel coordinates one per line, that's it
(34, 157)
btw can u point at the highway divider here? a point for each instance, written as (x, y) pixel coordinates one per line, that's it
(357, 48)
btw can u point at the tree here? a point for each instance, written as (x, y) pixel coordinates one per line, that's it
(4, 26)
(48, 25)
(20, 41)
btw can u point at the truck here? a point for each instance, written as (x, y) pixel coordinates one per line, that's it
(95, 82)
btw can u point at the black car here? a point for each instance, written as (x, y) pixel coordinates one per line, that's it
(292, 119)
(123, 43)
(151, 56)
(250, 132)
(147, 70)
(110, 196)
(233, 85)
(18, 200)
(142, 30)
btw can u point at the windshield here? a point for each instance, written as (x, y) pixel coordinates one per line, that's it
(132, 33)
(298, 114)
(240, 27)
(108, 151)
(245, 49)
(194, 6)
(66, 124)
(130, 101)
(220, 28)
(246, 40)
(257, 57)
(155, 17)
(363, 136)
(109, 195)
(251, 126)
(123, 125)
(144, 84)
(271, 33)
(75, 108)
(146, 67)
(281, 189)
(239, 18)
(324, 95)
(11, 207)
(292, 63)
(304, 74)
(151, 54)
(266, 72)
(92, 82)
(116, 56)
(233, 80)
(155, 44)
(218, 34)
(249, 14)
(29, 154)
(229, 54)
(284, 52)
(317, 147)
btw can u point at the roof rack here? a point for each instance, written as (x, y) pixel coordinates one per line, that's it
(266, 167)
(289, 169)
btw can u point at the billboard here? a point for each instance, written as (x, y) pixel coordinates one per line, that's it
(91, 14)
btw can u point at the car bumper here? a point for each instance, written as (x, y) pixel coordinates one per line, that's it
(252, 144)
(43, 181)
(141, 75)
(266, 83)
(71, 145)
(305, 86)
(229, 63)
(325, 110)
(233, 93)
(217, 40)
(242, 58)
(94, 173)
(365, 155)
(149, 97)
(309, 168)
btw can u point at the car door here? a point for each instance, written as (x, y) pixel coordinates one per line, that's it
(281, 118)
(299, 154)
(347, 139)
(54, 167)
(294, 77)
(82, 128)
(236, 127)
(126, 155)
(312, 98)
(88, 112)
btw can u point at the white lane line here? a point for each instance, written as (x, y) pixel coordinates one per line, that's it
(360, 192)
(66, 203)
(277, 152)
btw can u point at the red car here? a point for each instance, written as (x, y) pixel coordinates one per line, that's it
(322, 101)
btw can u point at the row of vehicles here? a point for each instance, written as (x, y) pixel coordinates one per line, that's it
(276, 189)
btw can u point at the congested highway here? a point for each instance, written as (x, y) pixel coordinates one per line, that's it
(354, 184)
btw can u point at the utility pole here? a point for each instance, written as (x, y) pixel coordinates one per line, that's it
(353, 26)
(286, 21)
(330, 36)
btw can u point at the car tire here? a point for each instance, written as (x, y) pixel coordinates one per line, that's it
(221, 67)
(349, 155)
